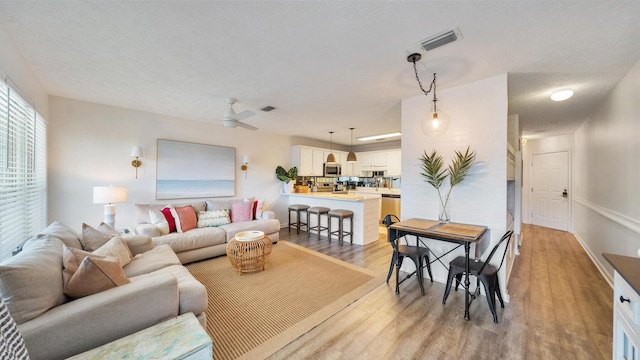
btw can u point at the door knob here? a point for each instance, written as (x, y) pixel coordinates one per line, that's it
(565, 193)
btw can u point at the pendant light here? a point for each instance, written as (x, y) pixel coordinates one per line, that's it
(331, 158)
(436, 122)
(351, 157)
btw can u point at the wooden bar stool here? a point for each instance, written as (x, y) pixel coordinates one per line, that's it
(341, 215)
(318, 211)
(297, 208)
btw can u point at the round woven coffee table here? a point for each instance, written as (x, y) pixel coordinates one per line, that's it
(248, 252)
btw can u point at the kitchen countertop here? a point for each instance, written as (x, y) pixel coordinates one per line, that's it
(341, 197)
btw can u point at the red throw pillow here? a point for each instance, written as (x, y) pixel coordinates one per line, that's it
(167, 215)
(253, 210)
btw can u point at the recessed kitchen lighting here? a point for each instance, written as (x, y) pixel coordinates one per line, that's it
(561, 95)
(376, 137)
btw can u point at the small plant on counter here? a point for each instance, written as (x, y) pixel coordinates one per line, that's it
(435, 174)
(286, 176)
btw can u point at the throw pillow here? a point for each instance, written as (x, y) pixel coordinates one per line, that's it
(169, 217)
(107, 229)
(31, 281)
(71, 260)
(160, 221)
(187, 218)
(64, 233)
(92, 239)
(213, 218)
(257, 209)
(241, 211)
(117, 248)
(95, 275)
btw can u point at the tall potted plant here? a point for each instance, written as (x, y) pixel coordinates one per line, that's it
(435, 174)
(286, 177)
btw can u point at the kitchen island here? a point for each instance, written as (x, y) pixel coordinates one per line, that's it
(366, 212)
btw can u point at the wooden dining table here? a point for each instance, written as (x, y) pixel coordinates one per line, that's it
(461, 234)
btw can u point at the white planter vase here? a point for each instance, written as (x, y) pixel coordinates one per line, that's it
(287, 188)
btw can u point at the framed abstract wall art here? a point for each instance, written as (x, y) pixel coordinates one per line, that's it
(189, 170)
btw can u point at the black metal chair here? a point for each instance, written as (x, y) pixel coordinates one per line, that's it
(418, 254)
(485, 273)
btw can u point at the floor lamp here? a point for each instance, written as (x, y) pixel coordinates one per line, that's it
(109, 195)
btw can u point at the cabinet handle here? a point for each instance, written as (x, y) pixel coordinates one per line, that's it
(622, 300)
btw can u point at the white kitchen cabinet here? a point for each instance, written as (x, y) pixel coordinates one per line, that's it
(366, 161)
(380, 160)
(308, 160)
(626, 307)
(394, 163)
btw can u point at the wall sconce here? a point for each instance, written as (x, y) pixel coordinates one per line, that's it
(137, 153)
(244, 167)
(108, 195)
(436, 122)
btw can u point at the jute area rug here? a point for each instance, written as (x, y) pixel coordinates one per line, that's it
(254, 315)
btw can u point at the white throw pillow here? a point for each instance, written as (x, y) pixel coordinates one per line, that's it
(160, 221)
(116, 248)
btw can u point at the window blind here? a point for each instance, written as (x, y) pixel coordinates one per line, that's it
(23, 170)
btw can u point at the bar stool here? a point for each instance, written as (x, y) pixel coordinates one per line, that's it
(318, 211)
(298, 208)
(341, 214)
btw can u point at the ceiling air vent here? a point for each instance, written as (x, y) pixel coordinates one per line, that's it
(440, 39)
(268, 108)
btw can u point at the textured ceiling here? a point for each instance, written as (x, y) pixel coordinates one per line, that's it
(325, 66)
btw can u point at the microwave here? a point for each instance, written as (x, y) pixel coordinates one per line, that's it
(332, 170)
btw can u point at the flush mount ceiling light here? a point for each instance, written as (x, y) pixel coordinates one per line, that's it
(331, 158)
(378, 137)
(351, 157)
(436, 122)
(561, 95)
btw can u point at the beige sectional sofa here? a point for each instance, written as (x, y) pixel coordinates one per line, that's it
(203, 243)
(55, 326)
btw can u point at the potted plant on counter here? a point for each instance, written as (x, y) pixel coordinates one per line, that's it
(434, 174)
(288, 178)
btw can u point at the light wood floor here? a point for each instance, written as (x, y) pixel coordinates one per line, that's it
(561, 308)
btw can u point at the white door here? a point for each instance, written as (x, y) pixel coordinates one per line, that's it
(550, 190)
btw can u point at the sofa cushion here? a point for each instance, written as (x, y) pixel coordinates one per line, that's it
(219, 204)
(193, 239)
(142, 210)
(158, 219)
(212, 218)
(186, 218)
(67, 235)
(116, 248)
(193, 295)
(40, 267)
(269, 226)
(92, 239)
(241, 211)
(157, 258)
(72, 258)
(95, 275)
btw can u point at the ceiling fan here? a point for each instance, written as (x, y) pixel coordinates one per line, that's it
(232, 120)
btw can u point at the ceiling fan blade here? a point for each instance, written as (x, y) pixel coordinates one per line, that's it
(243, 115)
(246, 126)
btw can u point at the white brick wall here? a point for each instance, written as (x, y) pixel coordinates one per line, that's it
(478, 118)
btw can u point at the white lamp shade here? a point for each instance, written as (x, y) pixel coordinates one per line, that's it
(136, 151)
(109, 194)
(245, 159)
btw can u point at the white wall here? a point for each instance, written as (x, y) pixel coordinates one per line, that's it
(541, 146)
(606, 201)
(478, 118)
(21, 78)
(89, 145)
